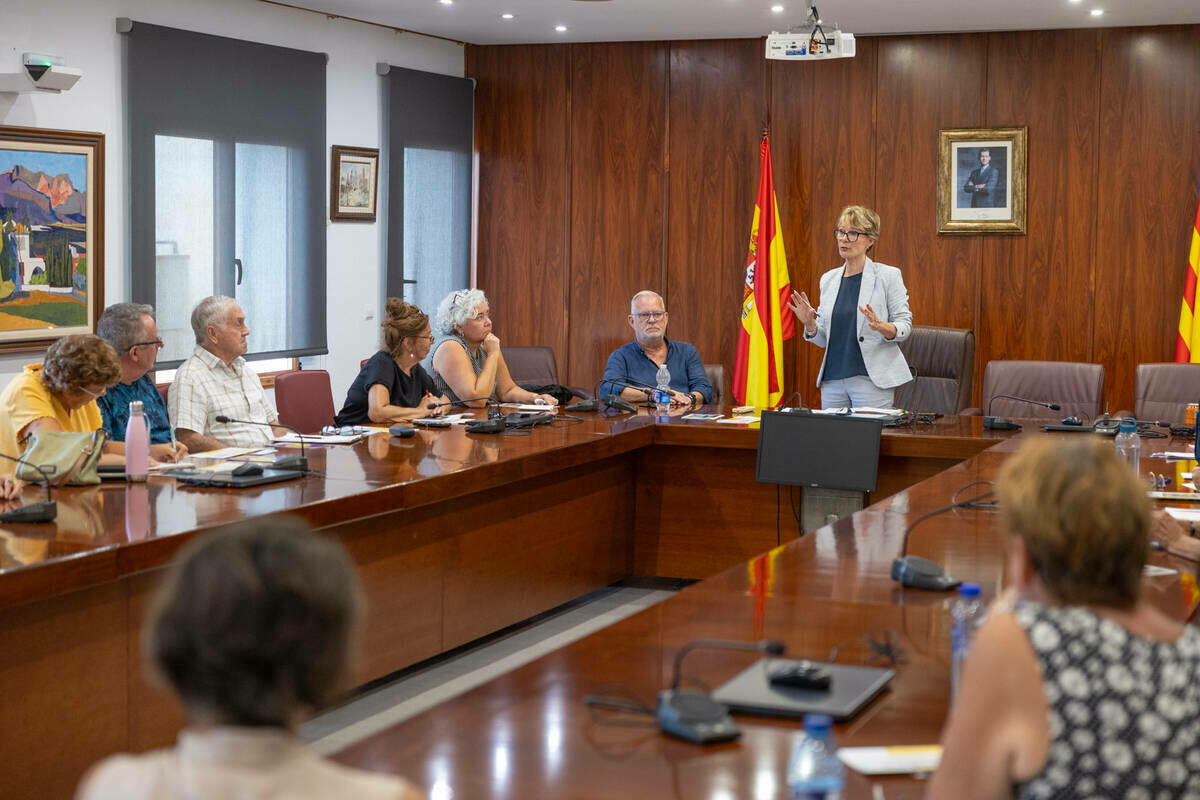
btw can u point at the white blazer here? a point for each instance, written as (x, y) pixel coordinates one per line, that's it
(883, 288)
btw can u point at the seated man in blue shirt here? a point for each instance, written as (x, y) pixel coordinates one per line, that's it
(131, 330)
(638, 362)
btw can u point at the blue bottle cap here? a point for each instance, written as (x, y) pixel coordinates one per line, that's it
(817, 724)
(1128, 425)
(969, 590)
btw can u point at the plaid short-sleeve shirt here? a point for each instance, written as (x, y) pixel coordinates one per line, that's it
(205, 388)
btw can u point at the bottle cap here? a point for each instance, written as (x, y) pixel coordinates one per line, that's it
(135, 407)
(817, 724)
(969, 590)
(1128, 425)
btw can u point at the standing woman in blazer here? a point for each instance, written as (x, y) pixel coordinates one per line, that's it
(861, 321)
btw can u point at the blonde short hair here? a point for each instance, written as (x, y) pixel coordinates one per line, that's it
(862, 219)
(1084, 517)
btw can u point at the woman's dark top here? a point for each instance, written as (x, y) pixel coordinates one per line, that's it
(844, 358)
(1124, 710)
(403, 390)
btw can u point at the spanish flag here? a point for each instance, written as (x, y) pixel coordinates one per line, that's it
(758, 373)
(1187, 343)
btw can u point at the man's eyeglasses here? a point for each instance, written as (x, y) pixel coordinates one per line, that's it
(155, 343)
(849, 236)
(650, 316)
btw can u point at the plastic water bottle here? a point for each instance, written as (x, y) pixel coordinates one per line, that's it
(1129, 446)
(967, 615)
(815, 773)
(137, 443)
(662, 397)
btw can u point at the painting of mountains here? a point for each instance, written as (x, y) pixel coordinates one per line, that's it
(49, 261)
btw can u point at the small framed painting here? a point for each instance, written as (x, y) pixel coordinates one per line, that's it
(981, 181)
(354, 183)
(51, 235)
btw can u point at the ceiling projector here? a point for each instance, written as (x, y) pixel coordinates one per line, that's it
(809, 46)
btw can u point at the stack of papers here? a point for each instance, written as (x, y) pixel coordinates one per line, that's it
(313, 438)
(864, 411)
(232, 452)
(891, 760)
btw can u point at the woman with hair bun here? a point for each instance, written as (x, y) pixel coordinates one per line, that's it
(393, 386)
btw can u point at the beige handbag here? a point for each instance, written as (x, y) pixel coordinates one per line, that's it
(70, 459)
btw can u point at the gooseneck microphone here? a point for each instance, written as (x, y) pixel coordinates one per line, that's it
(1004, 424)
(41, 511)
(297, 463)
(459, 402)
(693, 715)
(922, 573)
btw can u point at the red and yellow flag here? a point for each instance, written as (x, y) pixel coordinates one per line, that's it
(758, 372)
(1187, 344)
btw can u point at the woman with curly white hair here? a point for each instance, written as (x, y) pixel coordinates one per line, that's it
(467, 362)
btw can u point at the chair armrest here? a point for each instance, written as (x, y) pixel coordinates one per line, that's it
(582, 394)
(1122, 414)
(971, 412)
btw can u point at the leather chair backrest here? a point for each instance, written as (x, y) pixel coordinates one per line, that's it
(531, 365)
(716, 376)
(304, 399)
(1163, 391)
(1078, 388)
(943, 360)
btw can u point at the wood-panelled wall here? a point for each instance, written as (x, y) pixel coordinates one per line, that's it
(609, 168)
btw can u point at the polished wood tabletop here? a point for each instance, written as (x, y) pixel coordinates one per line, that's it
(828, 595)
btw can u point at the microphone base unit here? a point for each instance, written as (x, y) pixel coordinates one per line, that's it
(584, 405)
(402, 431)
(619, 403)
(999, 424)
(915, 572)
(695, 717)
(486, 426)
(42, 511)
(294, 463)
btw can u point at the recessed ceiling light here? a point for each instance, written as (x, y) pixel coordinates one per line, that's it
(506, 16)
(446, 2)
(1097, 12)
(777, 9)
(560, 28)
(1075, 2)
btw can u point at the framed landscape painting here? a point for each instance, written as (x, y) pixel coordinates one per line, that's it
(51, 235)
(354, 183)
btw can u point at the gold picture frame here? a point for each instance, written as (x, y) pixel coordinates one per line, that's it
(981, 181)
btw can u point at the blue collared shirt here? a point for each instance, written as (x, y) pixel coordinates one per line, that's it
(114, 408)
(629, 362)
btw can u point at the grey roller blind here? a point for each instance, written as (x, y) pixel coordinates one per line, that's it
(227, 185)
(430, 129)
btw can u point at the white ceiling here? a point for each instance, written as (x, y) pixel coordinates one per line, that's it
(479, 21)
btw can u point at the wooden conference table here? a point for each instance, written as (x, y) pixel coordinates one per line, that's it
(529, 734)
(457, 536)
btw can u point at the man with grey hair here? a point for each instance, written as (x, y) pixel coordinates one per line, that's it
(638, 361)
(215, 380)
(131, 330)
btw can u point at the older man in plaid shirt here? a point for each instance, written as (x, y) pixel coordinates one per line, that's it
(216, 380)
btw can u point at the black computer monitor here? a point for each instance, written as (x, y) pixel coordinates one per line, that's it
(820, 450)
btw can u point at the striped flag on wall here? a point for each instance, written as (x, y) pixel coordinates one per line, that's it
(1187, 343)
(758, 372)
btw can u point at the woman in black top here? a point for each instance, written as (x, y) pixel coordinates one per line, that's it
(393, 386)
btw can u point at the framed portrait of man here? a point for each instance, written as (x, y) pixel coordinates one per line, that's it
(981, 181)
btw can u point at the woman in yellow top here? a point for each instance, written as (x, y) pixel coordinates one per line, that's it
(60, 395)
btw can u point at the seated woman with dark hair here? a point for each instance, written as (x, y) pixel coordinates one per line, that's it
(254, 630)
(393, 386)
(1074, 686)
(60, 395)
